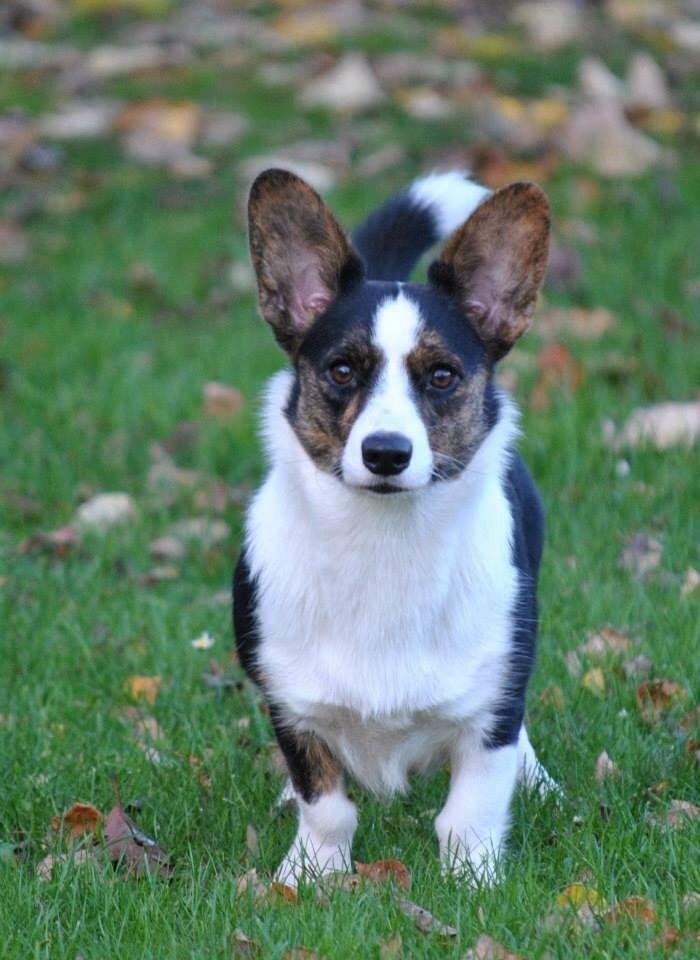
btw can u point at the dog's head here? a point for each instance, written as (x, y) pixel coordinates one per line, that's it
(393, 382)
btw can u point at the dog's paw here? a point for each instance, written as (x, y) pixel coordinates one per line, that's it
(305, 861)
(477, 866)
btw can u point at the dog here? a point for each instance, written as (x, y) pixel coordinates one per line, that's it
(385, 600)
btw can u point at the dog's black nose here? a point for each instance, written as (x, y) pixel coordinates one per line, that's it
(386, 454)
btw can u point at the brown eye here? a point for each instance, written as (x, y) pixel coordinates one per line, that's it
(341, 373)
(442, 379)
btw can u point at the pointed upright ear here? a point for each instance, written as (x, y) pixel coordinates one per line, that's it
(493, 265)
(301, 255)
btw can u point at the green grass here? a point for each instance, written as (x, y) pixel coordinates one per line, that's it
(93, 371)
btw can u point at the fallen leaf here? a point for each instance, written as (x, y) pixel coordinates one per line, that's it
(391, 948)
(141, 687)
(486, 948)
(283, 892)
(204, 530)
(204, 641)
(425, 921)
(252, 844)
(243, 946)
(691, 582)
(606, 641)
(106, 510)
(380, 871)
(158, 575)
(78, 820)
(350, 86)
(127, 845)
(641, 554)
(599, 135)
(14, 245)
(691, 900)
(222, 401)
(637, 667)
(80, 119)
(250, 883)
(553, 696)
(655, 697)
(646, 85)
(573, 663)
(59, 542)
(637, 909)
(550, 24)
(578, 322)
(558, 369)
(678, 815)
(605, 768)
(167, 548)
(45, 867)
(301, 953)
(594, 681)
(577, 895)
(662, 426)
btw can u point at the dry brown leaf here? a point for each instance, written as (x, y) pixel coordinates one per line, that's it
(204, 530)
(425, 921)
(282, 892)
(550, 25)
(486, 948)
(678, 815)
(594, 681)
(606, 641)
(167, 548)
(250, 883)
(301, 953)
(637, 909)
(252, 844)
(158, 575)
(691, 900)
(140, 687)
(641, 554)
(655, 697)
(553, 696)
(691, 582)
(391, 948)
(351, 85)
(243, 946)
(106, 510)
(59, 542)
(558, 369)
(178, 121)
(579, 322)
(222, 401)
(381, 871)
(605, 768)
(45, 867)
(130, 847)
(637, 667)
(662, 426)
(77, 821)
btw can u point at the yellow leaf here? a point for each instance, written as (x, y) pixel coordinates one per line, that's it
(578, 895)
(594, 681)
(143, 688)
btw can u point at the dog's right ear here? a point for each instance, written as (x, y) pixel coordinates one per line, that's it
(301, 255)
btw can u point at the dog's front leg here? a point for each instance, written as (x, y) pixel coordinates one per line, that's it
(327, 817)
(472, 825)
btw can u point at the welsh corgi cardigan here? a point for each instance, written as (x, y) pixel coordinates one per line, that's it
(385, 599)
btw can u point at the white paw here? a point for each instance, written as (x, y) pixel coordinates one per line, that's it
(306, 861)
(478, 865)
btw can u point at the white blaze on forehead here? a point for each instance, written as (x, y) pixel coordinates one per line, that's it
(391, 406)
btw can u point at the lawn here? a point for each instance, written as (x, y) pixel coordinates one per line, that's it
(129, 297)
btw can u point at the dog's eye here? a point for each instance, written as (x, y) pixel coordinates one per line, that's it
(442, 379)
(341, 373)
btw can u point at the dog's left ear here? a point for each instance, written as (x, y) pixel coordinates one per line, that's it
(300, 253)
(494, 264)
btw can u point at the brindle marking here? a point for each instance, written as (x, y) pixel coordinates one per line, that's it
(494, 264)
(312, 767)
(300, 253)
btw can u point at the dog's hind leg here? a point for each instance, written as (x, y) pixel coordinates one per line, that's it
(531, 774)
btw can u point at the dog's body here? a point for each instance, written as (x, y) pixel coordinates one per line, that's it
(385, 600)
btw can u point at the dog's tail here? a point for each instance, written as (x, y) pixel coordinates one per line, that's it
(392, 239)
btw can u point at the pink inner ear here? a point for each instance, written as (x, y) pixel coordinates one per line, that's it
(311, 296)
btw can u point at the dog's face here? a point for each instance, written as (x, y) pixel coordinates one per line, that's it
(393, 387)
